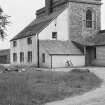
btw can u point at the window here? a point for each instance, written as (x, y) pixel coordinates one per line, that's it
(21, 57)
(95, 54)
(14, 43)
(29, 40)
(54, 35)
(89, 19)
(14, 57)
(55, 22)
(43, 57)
(30, 56)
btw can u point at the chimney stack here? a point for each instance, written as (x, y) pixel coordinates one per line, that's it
(48, 4)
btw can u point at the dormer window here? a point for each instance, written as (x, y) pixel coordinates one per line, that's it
(89, 18)
(54, 35)
(14, 43)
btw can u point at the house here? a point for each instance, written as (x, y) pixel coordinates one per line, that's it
(99, 43)
(5, 56)
(62, 34)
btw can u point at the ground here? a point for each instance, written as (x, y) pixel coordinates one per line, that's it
(95, 97)
(38, 87)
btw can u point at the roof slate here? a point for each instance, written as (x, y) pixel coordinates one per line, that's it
(59, 47)
(37, 25)
(31, 30)
(83, 42)
(4, 52)
(94, 40)
(99, 38)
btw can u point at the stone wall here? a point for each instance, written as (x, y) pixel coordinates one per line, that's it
(77, 14)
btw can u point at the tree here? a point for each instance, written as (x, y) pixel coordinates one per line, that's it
(3, 23)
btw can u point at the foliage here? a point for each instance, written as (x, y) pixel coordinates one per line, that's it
(3, 23)
(37, 88)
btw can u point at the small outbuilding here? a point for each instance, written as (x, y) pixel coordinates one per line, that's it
(53, 53)
(5, 56)
(99, 41)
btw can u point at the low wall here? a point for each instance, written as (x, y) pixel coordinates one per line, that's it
(65, 61)
(98, 62)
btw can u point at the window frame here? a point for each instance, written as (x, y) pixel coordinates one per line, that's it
(29, 40)
(54, 35)
(95, 53)
(21, 56)
(14, 57)
(29, 56)
(43, 57)
(89, 18)
(14, 43)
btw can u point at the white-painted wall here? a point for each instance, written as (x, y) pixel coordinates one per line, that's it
(22, 46)
(60, 60)
(61, 28)
(47, 63)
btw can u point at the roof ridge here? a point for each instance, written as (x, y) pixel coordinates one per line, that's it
(37, 25)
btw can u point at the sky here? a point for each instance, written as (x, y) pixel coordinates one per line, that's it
(22, 12)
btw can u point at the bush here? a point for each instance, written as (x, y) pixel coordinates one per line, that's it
(80, 70)
(2, 68)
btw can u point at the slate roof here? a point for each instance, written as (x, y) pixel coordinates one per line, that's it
(4, 52)
(37, 25)
(95, 40)
(98, 39)
(83, 42)
(59, 47)
(31, 30)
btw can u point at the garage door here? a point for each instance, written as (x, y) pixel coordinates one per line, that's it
(100, 52)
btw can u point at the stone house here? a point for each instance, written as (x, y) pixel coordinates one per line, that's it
(62, 34)
(5, 56)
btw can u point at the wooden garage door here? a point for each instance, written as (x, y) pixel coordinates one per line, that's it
(100, 52)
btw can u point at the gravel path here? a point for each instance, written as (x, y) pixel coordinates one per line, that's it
(95, 97)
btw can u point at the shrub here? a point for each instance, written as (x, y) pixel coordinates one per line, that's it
(80, 70)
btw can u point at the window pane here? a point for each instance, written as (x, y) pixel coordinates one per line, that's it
(14, 57)
(54, 35)
(29, 56)
(43, 58)
(89, 19)
(89, 24)
(21, 57)
(14, 43)
(29, 40)
(89, 15)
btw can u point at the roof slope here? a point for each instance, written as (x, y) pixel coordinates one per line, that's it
(37, 25)
(31, 30)
(4, 52)
(59, 47)
(83, 42)
(97, 39)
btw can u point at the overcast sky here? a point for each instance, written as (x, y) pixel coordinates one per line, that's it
(22, 12)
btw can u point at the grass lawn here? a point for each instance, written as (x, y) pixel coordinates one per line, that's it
(36, 88)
